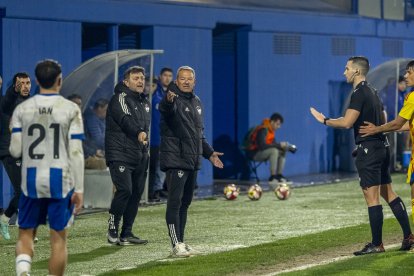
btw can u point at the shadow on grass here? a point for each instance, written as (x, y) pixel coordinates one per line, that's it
(82, 257)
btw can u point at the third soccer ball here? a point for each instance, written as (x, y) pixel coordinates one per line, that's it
(231, 191)
(255, 192)
(282, 191)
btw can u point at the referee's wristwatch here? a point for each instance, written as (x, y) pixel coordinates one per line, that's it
(325, 119)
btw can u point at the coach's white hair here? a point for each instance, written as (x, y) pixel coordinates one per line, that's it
(182, 68)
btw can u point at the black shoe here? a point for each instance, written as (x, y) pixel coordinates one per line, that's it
(407, 243)
(272, 178)
(161, 194)
(370, 249)
(131, 240)
(112, 230)
(282, 178)
(154, 198)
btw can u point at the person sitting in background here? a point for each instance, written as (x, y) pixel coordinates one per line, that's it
(94, 156)
(95, 123)
(262, 146)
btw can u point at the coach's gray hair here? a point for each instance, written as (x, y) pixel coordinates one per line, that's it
(188, 68)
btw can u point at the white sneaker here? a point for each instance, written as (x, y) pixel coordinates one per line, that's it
(191, 250)
(179, 251)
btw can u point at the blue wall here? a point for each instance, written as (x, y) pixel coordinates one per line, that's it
(288, 84)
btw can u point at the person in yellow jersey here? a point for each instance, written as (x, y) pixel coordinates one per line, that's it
(404, 121)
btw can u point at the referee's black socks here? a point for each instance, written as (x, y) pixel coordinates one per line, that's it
(376, 219)
(400, 212)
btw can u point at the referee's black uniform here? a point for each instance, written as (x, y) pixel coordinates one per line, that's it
(128, 114)
(373, 154)
(182, 146)
(12, 166)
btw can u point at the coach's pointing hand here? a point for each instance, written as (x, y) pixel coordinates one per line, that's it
(171, 96)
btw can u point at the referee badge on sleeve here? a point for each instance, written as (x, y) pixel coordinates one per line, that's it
(121, 169)
(180, 174)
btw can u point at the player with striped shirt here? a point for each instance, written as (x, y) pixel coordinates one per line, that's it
(47, 133)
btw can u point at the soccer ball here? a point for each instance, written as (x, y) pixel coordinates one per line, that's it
(282, 191)
(231, 192)
(255, 192)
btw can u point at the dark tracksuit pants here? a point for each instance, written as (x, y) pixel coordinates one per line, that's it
(13, 169)
(129, 182)
(180, 185)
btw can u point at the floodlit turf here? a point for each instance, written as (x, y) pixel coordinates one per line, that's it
(392, 263)
(217, 226)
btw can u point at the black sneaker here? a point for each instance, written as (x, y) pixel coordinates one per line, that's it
(407, 243)
(112, 230)
(370, 249)
(131, 240)
(272, 178)
(112, 236)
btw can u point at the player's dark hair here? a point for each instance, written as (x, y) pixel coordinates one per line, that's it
(410, 65)
(74, 96)
(133, 70)
(100, 103)
(166, 69)
(276, 117)
(362, 63)
(20, 75)
(47, 71)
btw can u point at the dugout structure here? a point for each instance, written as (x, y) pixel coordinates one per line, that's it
(95, 79)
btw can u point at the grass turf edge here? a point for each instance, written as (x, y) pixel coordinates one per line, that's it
(263, 255)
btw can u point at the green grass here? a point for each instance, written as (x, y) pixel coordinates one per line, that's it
(391, 263)
(262, 230)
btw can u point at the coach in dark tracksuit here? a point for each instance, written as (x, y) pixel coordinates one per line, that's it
(127, 125)
(18, 92)
(182, 145)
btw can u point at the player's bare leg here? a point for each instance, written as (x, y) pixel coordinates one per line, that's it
(24, 251)
(59, 255)
(372, 195)
(412, 202)
(387, 193)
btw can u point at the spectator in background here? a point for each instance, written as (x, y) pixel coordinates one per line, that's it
(94, 156)
(150, 90)
(95, 123)
(18, 92)
(262, 146)
(156, 176)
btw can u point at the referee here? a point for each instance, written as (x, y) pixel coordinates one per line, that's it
(373, 155)
(182, 145)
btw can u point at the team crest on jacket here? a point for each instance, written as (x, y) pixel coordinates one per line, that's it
(180, 174)
(146, 107)
(18, 163)
(187, 109)
(198, 109)
(121, 169)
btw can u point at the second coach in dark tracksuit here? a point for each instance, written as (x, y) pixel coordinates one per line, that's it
(182, 146)
(127, 124)
(18, 92)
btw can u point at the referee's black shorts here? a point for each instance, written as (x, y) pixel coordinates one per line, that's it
(373, 163)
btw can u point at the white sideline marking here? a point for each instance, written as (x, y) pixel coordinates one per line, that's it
(324, 262)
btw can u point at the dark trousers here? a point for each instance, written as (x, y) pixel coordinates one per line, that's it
(129, 182)
(13, 169)
(181, 185)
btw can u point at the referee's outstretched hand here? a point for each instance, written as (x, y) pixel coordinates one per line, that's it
(318, 116)
(367, 129)
(215, 160)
